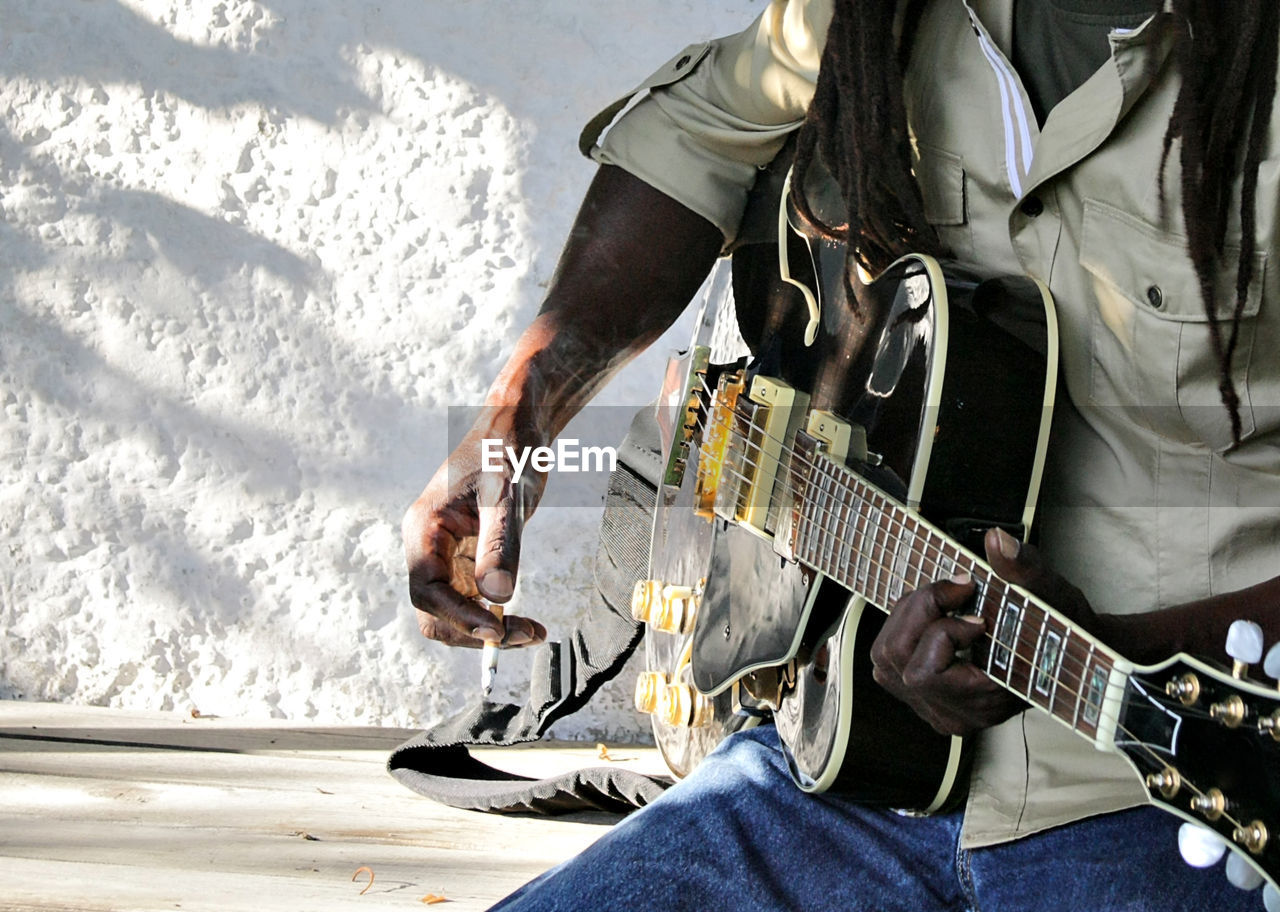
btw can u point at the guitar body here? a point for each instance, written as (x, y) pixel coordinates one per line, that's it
(843, 732)
(802, 539)
(958, 439)
(950, 388)
(681, 550)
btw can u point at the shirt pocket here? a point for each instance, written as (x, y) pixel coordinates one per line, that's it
(941, 177)
(671, 72)
(1152, 354)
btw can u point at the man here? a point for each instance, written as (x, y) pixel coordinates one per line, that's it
(1125, 153)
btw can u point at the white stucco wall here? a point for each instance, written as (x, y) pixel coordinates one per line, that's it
(251, 252)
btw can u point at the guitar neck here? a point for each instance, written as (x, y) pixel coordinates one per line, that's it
(853, 533)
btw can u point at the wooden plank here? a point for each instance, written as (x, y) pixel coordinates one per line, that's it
(107, 810)
(90, 887)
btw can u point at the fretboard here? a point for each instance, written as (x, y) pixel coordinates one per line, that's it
(850, 531)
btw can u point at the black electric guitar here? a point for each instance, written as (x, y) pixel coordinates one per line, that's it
(862, 455)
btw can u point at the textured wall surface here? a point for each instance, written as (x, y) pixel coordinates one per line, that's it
(251, 253)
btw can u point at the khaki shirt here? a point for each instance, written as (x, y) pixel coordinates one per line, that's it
(1142, 506)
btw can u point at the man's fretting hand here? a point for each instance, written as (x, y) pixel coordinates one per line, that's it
(921, 653)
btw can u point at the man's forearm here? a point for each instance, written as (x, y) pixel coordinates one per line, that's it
(633, 260)
(1198, 628)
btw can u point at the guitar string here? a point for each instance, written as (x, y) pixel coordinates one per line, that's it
(834, 471)
(1064, 674)
(1074, 680)
(1014, 649)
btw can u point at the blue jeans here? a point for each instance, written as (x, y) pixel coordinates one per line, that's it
(737, 834)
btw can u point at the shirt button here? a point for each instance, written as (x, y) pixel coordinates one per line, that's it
(1032, 206)
(1156, 297)
(683, 62)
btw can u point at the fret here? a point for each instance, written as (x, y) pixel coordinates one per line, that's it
(824, 561)
(899, 557)
(1036, 678)
(924, 554)
(824, 513)
(843, 541)
(882, 565)
(999, 655)
(1095, 690)
(875, 517)
(991, 652)
(802, 520)
(942, 561)
(1008, 630)
(864, 556)
(864, 553)
(1018, 638)
(848, 540)
(926, 548)
(947, 564)
(1057, 677)
(1084, 671)
(827, 529)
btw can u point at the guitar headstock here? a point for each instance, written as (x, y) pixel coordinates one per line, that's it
(1207, 741)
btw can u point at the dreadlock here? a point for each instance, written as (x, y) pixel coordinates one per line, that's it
(857, 124)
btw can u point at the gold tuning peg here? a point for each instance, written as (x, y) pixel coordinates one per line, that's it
(1270, 725)
(1167, 782)
(1230, 712)
(1253, 836)
(1186, 688)
(1212, 804)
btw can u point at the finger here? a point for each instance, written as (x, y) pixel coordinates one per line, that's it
(1021, 564)
(501, 503)
(1010, 558)
(938, 646)
(457, 626)
(901, 633)
(444, 630)
(432, 539)
(522, 631)
(457, 619)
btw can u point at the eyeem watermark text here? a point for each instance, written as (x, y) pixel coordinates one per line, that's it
(567, 456)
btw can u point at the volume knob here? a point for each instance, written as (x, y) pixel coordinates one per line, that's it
(645, 597)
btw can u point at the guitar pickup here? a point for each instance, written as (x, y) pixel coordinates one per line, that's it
(760, 425)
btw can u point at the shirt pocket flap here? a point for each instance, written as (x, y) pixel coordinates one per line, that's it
(941, 178)
(675, 69)
(1152, 270)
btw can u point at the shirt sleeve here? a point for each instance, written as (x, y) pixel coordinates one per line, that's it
(717, 112)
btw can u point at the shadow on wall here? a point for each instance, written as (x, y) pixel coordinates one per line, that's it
(183, 350)
(295, 55)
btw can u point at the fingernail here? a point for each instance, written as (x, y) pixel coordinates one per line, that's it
(960, 576)
(488, 634)
(517, 638)
(1009, 546)
(497, 584)
(972, 618)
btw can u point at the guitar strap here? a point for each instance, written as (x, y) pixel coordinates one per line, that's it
(437, 764)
